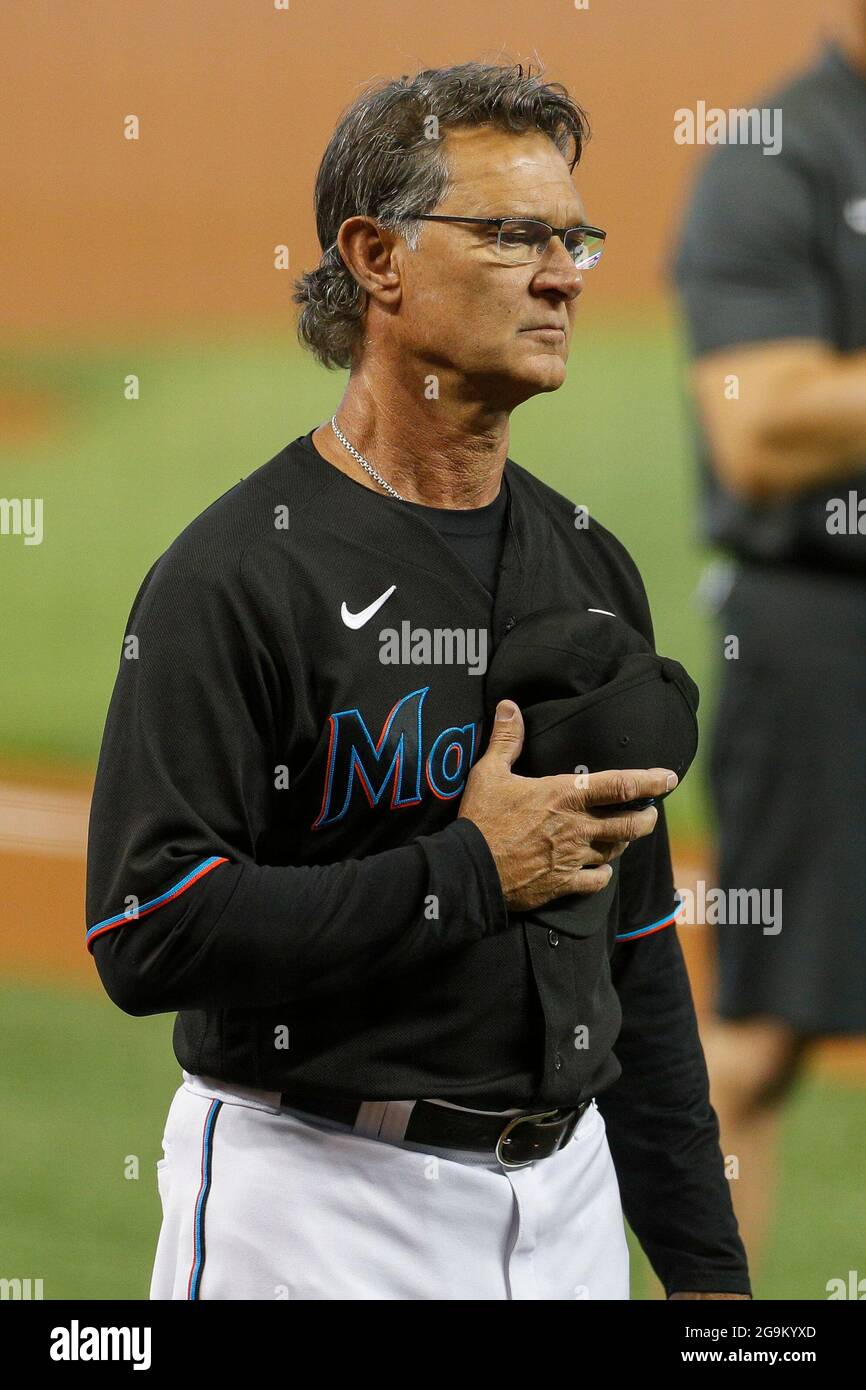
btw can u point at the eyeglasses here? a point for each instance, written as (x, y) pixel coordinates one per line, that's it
(522, 240)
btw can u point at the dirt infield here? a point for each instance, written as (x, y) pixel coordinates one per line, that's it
(43, 834)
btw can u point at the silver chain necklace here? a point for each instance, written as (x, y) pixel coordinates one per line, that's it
(377, 477)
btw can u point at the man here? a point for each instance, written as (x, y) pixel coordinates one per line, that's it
(294, 840)
(771, 270)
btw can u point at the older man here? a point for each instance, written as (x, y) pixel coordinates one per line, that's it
(388, 1081)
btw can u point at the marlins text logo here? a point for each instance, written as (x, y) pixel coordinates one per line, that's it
(394, 762)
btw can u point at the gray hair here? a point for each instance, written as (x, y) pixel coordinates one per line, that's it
(385, 156)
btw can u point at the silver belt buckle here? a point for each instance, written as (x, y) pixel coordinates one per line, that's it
(512, 1124)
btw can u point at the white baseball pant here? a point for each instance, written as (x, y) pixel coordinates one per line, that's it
(264, 1203)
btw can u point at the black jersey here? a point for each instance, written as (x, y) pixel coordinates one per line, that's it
(275, 850)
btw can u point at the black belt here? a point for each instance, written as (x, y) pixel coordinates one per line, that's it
(515, 1140)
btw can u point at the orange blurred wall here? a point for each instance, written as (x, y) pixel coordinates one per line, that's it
(237, 99)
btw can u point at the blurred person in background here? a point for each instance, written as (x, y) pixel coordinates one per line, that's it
(771, 276)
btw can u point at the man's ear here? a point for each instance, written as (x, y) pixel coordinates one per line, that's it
(369, 251)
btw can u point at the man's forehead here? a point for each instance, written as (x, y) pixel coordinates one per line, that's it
(504, 172)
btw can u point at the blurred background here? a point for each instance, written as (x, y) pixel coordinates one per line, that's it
(154, 258)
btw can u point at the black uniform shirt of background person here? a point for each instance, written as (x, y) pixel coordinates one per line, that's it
(773, 247)
(274, 849)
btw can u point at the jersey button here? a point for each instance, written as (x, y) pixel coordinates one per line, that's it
(552, 937)
(557, 1061)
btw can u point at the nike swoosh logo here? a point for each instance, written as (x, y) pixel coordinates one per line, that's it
(606, 612)
(356, 620)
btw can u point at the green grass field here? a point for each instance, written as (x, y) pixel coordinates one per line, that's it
(84, 1090)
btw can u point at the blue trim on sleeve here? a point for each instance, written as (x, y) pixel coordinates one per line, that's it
(187, 881)
(652, 926)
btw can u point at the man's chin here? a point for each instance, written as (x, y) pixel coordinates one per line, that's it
(514, 382)
(542, 375)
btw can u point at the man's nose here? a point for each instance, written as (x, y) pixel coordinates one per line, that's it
(558, 271)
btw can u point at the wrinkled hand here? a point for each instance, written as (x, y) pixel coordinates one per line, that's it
(545, 835)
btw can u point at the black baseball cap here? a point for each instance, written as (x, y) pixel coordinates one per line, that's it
(593, 694)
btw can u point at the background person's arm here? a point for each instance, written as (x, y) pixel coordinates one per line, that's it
(782, 407)
(799, 416)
